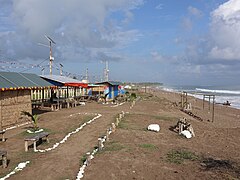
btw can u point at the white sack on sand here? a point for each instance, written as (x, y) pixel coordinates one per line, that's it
(187, 134)
(154, 127)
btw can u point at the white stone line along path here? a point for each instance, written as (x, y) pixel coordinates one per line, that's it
(118, 104)
(81, 170)
(69, 134)
(19, 167)
(24, 164)
(13, 127)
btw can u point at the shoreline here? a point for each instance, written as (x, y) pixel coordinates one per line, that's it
(193, 96)
(227, 116)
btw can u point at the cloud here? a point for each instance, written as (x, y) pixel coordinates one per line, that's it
(80, 28)
(195, 12)
(187, 23)
(156, 56)
(224, 32)
(159, 7)
(128, 17)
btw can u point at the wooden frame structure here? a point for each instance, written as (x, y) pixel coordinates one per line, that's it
(210, 97)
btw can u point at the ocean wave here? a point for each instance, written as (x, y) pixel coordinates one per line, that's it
(219, 91)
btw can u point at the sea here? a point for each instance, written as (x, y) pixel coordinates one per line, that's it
(222, 93)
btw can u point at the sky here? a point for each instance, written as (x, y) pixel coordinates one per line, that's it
(177, 42)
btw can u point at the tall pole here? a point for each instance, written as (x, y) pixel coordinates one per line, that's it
(106, 72)
(87, 74)
(50, 58)
(50, 55)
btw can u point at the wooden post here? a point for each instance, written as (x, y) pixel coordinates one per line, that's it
(100, 145)
(209, 99)
(113, 127)
(42, 103)
(26, 146)
(107, 135)
(68, 104)
(117, 121)
(47, 139)
(3, 137)
(4, 161)
(185, 99)
(179, 127)
(123, 113)
(182, 100)
(88, 160)
(213, 108)
(191, 130)
(35, 146)
(203, 100)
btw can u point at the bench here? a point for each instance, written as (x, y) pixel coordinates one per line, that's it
(35, 139)
(4, 158)
(2, 133)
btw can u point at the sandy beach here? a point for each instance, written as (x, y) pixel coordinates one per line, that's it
(132, 152)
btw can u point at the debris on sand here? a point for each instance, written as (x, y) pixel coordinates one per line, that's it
(187, 134)
(154, 127)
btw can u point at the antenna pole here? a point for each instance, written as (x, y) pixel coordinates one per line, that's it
(87, 74)
(50, 54)
(106, 72)
(50, 58)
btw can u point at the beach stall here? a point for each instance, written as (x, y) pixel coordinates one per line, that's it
(111, 89)
(67, 87)
(15, 95)
(95, 89)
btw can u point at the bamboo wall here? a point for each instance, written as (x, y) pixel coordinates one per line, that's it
(11, 104)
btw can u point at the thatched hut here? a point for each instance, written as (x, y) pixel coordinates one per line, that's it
(15, 95)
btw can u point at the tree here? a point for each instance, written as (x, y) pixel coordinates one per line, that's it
(34, 118)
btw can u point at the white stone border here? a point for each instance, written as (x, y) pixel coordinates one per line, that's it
(19, 167)
(118, 104)
(24, 164)
(69, 134)
(82, 168)
(34, 132)
(101, 145)
(14, 127)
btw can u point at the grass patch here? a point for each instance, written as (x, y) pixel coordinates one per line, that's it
(114, 146)
(148, 146)
(83, 159)
(157, 117)
(165, 118)
(178, 156)
(123, 125)
(74, 126)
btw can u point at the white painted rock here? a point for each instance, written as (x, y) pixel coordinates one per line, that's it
(187, 134)
(154, 127)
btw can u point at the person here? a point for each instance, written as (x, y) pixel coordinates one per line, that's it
(53, 96)
(227, 103)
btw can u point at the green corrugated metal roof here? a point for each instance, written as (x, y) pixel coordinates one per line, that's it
(26, 80)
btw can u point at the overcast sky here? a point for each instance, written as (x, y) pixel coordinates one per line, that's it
(170, 41)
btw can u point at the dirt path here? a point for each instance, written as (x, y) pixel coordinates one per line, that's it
(134, 153)
(64, 161)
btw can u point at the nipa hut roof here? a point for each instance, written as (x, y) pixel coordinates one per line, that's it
(15, 80)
